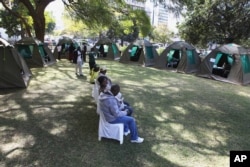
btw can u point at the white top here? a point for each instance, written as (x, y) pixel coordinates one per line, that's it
(79, 57)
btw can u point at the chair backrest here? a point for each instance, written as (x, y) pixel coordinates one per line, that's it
(108, 130)
(95, 92)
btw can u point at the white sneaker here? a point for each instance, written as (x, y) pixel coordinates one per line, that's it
(126, 133)
(138, 140)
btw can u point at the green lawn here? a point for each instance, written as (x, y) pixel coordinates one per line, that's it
(186, 121)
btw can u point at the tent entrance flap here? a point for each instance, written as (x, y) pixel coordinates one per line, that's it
(115, 50)
(190, 57)
(25, 51)
(149, 52)
(173, 58)
(222, 65)
(245, 63)
(42, 52)
(135, 53)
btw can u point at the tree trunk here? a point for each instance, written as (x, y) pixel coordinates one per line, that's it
(39, 26)
(37, 14)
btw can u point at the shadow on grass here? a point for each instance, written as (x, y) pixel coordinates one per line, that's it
(185, 120)
(54, 123)
(198, 120)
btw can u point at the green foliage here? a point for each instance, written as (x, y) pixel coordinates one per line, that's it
(93, 13)
(224, 21)
(78, 28)
(50, 22)
(119, 19)
(161, 34)
(15, 25)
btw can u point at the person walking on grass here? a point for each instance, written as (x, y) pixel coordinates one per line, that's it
(113, 114)
(92, 62)
(78, 61)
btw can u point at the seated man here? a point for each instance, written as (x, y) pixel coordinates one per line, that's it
(113, 114)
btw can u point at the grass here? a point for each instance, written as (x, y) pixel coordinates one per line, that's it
(186, 121)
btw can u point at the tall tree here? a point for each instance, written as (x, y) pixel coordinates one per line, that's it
(130, 26)
(35, 9)
(94, 12)
(225, 21)
(162, 34)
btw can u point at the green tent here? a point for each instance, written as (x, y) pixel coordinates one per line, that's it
(34, 52)
(14, 71)
(140, 52)
(181, 56)
(110, 49)
(65, 42)
(227, 63)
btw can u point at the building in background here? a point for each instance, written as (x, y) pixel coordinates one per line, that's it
(158, 13)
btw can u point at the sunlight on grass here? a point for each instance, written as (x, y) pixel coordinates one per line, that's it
(183, 156)
(243, 94)
(21, 117)
(180, 110)
(162, 117)
(17, 141)
(18, 153)
(186, 121)
(69, 98)
(58, 128)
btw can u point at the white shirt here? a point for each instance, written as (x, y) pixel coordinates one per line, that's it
(79, 57)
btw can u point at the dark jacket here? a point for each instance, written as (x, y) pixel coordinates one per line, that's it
(76, 55)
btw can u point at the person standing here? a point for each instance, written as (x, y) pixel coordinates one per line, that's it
(78, 61)
(92, 62)
(84, 51)
(59, 50)
(71, 51)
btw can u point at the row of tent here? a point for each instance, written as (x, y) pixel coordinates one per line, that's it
(112, 51)
(16, 61)
(228, 63)
(14, 71)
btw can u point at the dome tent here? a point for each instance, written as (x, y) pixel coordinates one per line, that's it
(108, 47)
(227, 63)
(181, 56)
(34, 52)
(14, 71)
(64, 42)
(140, 52)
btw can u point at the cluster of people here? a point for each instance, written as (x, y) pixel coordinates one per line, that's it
(78, 61)
(106, 94)
(79, 57)
(113, 106)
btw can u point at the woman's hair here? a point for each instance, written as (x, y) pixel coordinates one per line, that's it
(101, 79)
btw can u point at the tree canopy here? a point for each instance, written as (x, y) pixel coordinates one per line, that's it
(94, 13)
(224, 21)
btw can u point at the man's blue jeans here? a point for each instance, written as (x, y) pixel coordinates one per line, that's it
(129, 123)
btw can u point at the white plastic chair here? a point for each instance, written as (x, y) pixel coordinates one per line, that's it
(108, 130)
(95, 91)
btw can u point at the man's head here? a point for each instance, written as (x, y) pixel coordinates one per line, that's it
(115, 89)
